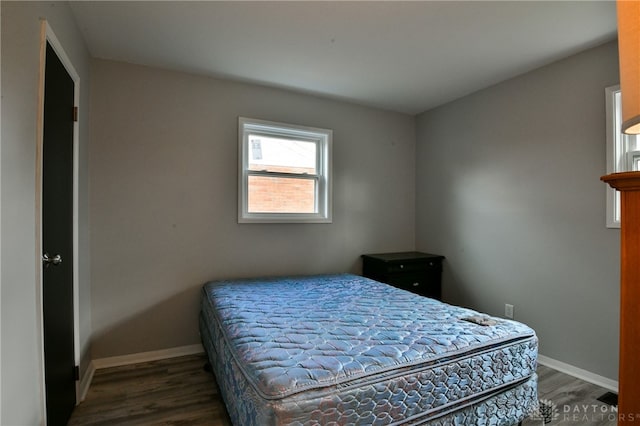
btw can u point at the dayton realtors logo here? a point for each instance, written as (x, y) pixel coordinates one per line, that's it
(548, 411)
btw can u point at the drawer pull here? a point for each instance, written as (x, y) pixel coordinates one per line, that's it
(415, 284)
(401, 266)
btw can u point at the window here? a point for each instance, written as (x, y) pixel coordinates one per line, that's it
(623, 152)
(284, 173)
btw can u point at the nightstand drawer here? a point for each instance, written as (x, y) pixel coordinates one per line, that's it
(413, 271)
(409, 267)
(405, 267)
(422, 284)
(408, 280)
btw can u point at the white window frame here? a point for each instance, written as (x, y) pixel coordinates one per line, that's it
(323, 139)
(619, 157)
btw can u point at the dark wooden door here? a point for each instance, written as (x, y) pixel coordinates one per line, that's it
(57, 241)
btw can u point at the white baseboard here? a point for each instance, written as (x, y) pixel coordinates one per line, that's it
(82, 386)
(579, 373)
(117, 361)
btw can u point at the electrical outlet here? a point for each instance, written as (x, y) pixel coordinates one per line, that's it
(508, 311)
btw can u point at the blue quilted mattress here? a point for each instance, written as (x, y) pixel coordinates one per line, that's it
(347, 350)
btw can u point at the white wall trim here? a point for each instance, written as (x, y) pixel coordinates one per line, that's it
(579, 373)
(82, 386)
(117, 361)
(38, 215)
(0, 232)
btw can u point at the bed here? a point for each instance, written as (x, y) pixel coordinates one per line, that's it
(347, 350)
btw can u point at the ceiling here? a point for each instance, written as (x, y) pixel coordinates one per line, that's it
(401, 56)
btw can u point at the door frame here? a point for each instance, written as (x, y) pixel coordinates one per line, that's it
(47, 35)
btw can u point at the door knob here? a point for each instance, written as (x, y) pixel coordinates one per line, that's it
(55, 260)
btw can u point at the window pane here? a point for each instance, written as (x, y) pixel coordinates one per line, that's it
(635, 161)
(281, 195)
(281, 155)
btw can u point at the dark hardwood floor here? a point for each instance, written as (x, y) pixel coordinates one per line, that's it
(575, 401)
(174, 391)
(178, 391)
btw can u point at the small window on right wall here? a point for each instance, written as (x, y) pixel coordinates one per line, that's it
(623, 152)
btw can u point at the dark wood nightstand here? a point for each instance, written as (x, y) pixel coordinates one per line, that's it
(414, 271)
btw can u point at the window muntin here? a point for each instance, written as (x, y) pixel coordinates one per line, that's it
(623, 151)
(284, 173)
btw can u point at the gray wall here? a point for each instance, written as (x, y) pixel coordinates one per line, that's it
(22, 399)
(508, 190)
(163, 179)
